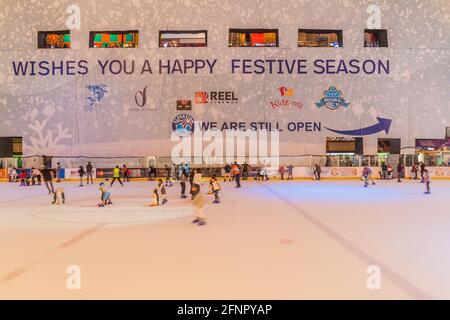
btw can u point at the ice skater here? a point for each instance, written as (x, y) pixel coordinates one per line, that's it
(23, 176)
(367, 175)
(89, 169)
(400, 169)
(81, 173)
(317, 171)
(116, 176)
(427, 181)
(183, 180)
(162, 191)
(59, 196)
(35, 176)
(199, 203)
(237, 175)
(105, 195)
(155, 198)
(196, 182)
(126, 174)
(215, 187)
(290, 171)
(227, 172)
(48, 179)
(168, 175)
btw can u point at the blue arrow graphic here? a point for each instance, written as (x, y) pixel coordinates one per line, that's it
(382, 125)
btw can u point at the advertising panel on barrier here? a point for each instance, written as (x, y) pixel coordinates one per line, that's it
(72, 173)
(3, 174)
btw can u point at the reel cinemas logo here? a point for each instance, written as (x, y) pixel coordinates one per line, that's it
(215, 97)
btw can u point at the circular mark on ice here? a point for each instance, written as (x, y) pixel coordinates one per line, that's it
(111, 214)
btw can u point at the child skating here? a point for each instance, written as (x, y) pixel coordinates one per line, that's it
(367, 175)
(215, 187)
(59, 196)
(427, 181)
(105, 195)
(155, 198)
(199, 204)
(162, 191)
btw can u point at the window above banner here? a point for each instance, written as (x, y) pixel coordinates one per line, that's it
(320, 38)
(253, 38)
(186, 38)
(54, 39)
(375, 38)
(114, 39)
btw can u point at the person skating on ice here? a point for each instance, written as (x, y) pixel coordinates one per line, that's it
(317, 171)
(290, 171)
(48, 179)
(36, 176)
(215, 186)
(245, 171)
(59, 196)
(196, 182)
(23, 176)
(116, 176)
(105, 196)
(400, 169)
(81, 173)
(125, 174)
(227, 172)
(183, 180)
(199, 202)
(168, 175)
(155, 198)
(162, 191)
(89, 169)
(58, 172)
(237, 175)
(422, 172)
(427, 181)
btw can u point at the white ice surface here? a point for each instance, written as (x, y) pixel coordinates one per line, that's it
(274, 240)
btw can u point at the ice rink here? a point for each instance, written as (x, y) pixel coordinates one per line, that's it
(271, 240)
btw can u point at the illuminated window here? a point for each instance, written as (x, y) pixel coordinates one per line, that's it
(375, 38)
(114, 39)
(187, 38)
(253, 38)
(320, 38)
(53, 39)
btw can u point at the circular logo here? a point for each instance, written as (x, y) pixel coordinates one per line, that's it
(183, 125)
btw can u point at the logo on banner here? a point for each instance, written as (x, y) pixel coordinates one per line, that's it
(183, 125)
(97, 93)
(201, 97)
(286, 92)
(332, 99)
(285, 100)
(184, 105)
(140, 98)
(215, 97)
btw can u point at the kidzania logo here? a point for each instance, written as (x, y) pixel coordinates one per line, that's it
(215, 97)
(286, 99)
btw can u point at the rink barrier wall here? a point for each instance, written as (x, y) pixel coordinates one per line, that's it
(305, 173)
